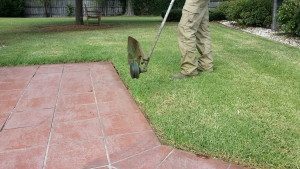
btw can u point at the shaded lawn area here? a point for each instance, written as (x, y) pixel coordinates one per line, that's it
(246, 111)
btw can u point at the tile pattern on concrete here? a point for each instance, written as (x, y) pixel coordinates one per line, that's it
(79, 116)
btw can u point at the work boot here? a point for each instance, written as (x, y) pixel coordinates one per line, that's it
(180, 75)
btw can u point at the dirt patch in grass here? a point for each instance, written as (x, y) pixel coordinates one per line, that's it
(66, 28)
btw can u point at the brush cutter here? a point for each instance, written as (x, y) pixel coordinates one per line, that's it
(137, 60)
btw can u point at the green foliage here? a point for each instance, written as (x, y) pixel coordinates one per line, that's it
(250, 12)
(298, 22)
(70, 10)
(216, 15)
(289, 16)
(174, 15)
(224, 7)
(154, 7)
(12, 8)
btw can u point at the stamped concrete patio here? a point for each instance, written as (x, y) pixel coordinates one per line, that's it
(79, 116)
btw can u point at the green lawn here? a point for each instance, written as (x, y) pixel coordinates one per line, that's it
(246, 111)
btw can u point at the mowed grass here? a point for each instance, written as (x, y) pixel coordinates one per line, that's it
(246, 111)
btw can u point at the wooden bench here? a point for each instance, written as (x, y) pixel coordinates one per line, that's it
(92, 14)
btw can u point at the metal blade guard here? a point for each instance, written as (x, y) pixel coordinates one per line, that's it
(136, 58)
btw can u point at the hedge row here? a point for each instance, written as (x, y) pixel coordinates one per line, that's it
(12, 8)
(248, 12)
(245, 12)
(259, 13)
(289, 16)
(154, 7)
(175, 15)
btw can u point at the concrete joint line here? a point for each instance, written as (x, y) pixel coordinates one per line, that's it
(136, 154)
(165, 158)
(53, 116)
(101, 123)
(23, 92)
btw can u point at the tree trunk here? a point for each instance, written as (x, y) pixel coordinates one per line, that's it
(129, 8)
(79, 12)
(46, 7)
(50, 8)
(276, 5)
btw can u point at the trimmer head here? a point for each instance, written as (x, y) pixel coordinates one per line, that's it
(134, 70)
(135, 57)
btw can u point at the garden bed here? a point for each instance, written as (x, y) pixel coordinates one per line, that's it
(266, 33)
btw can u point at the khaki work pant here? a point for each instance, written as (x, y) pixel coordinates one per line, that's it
(194, 37)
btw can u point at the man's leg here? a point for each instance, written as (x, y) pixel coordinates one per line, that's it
(204, 43)
(188, 27)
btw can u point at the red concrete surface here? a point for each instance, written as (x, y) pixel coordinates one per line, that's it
(79, 116)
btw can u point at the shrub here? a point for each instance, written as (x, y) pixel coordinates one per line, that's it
(289, 16)
(12, 8)
(223, 8)
(147, 7)
(154, 7)
(70, 10)
(298, 22)
(174, 16)
(250, 12)
(216, 15)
